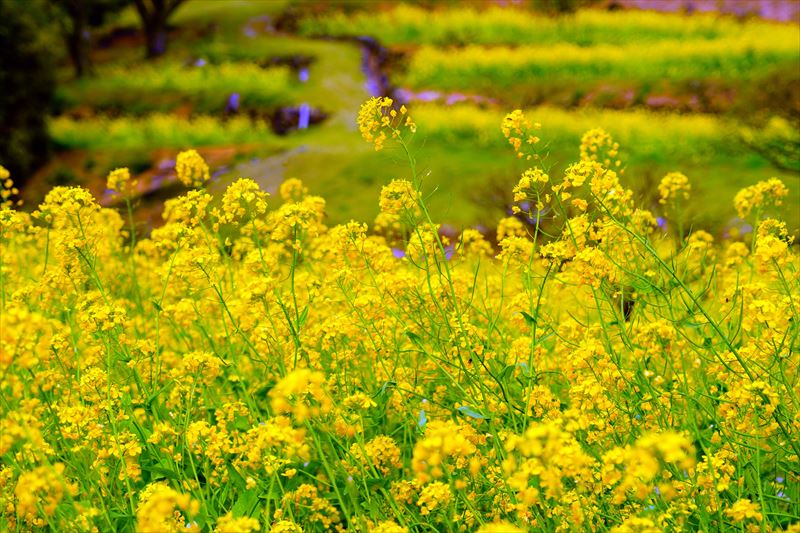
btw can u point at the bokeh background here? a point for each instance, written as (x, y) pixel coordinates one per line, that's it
(270, 89)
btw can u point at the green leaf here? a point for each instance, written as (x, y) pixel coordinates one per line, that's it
(384, 388)
(472, 413)
(416, 339)
(159, 472)
(303, 316)
(378, 483)
(235, 477)
(246, 504)
(528, 318)
(241, 423)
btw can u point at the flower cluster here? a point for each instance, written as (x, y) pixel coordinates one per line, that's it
(119, 180)
(191, 169)
(518, 130)
(673, 187)
(7, 189)
(761, 195)
(377, 118)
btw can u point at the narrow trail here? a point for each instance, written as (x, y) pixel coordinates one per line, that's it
(345, 88)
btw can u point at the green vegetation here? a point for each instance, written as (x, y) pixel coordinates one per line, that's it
(165, 85)
(126, 107)
(410, 25)
(463, 153)
(508, 72)
(251, 367)
(26, 87)
(162, 130)
(211, 327)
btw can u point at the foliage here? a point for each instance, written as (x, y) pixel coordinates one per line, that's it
(649, 135)
(159, 87)
(411, 25)
(778, 141)
(509, 72)
(27, 82)
(166, 131)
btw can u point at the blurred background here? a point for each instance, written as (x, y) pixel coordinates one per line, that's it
(270, 89)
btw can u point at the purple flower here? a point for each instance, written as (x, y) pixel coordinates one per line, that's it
(233, 103)
(303, 116)
(302, 74)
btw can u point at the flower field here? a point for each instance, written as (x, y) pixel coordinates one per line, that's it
(142, 89)
(593, 365)
(409, 25)
(522, 57)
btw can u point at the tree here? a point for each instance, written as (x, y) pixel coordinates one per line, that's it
(154, 15)
(73, 19)
(76, 18)
(28, 84)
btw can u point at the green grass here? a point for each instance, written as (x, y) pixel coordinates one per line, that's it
(704, 147)
(468, 169)
(157, 130)
(335, 84)
(228, 15)
(166, 84)
(512, 74)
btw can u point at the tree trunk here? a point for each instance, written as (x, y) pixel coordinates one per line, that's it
(78, 47)
(77, 38)
(156, 35)
(154, 15)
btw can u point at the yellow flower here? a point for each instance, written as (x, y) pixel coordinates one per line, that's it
(377, 118)
(191, 169)
(119, 180)
(597, 145)
(229, 524)
(302, 393)
(40, 491)
(292, 190)
(7, 190)
(744, 509)
(763, 194)
(242, 202)
(433, 497)
(674, 186)
(398, 198)
(157, 508)
(381, 453)
(387, 526)
(517, 129)
(285, 526)
(500, 527)
(635, 524)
